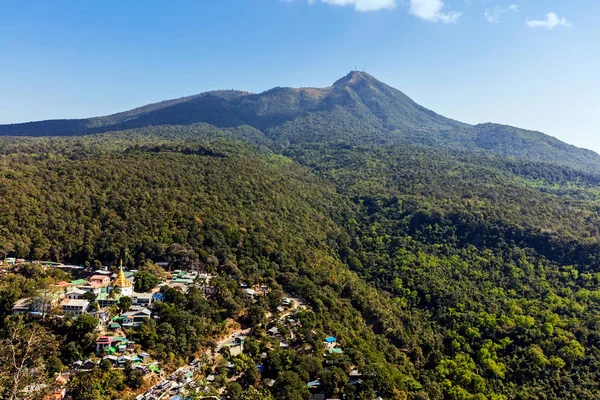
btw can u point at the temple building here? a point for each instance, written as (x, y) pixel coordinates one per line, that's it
(125, 286)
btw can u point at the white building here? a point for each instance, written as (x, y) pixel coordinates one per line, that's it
(74, 306)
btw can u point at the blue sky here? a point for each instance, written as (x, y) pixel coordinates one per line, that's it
(529, 63)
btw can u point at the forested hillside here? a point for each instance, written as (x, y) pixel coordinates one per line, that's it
(455, 275)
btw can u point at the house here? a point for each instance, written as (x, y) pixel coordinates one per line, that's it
(144, 356)
(113, 359)
(134, 317)
(158, 297)
(108, 299)
(22, 306)
(44, 302)
(142, 299)
(113, 326)
(100, 280)
(102, 272)
(93, 287)
(335, 350)
(101, 315)
(88, 364)
(274, 331)
(74, 307)
(206, 290)
(330, 342)
(75, 294)
(240, 339)
(103, 343)
(10, 260)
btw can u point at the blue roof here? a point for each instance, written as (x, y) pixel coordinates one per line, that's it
(158, 296)
(176, 398)
(260, 368)
(330, 339)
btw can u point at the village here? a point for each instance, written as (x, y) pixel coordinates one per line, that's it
(110, 297)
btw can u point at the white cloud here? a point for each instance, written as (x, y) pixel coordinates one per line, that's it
(552, 21)
(493, 14)
(432, 10)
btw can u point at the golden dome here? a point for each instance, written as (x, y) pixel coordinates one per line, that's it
(121, 281)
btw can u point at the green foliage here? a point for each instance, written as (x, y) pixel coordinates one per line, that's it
(144, 281)
(447, 275)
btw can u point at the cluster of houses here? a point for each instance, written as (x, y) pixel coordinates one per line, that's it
(99, 290)
(255, 291)
(76, 297)
(119, 351)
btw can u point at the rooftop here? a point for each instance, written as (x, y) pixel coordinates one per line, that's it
(74, 303)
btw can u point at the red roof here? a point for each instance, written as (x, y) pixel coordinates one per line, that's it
(63, 284)
(103, 339)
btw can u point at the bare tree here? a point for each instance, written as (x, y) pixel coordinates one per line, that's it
(23, 352)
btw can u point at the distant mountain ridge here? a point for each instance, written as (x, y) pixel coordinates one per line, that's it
(356, 110)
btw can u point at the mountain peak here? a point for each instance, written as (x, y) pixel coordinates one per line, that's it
(353, 78)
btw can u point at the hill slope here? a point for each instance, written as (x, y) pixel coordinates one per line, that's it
(357, 110)
(486, 269)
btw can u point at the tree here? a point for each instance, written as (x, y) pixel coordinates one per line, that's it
(289, 386)
(23, 355)
(124, 303)
(89, 296)
(84, 324)
(333, 380)
(234, 391)
(144, 282)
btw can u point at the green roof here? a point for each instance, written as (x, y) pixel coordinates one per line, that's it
(111, 350)
(154, 368)
(105, 296)
(79, 282)
(114, 325)
(335, 350)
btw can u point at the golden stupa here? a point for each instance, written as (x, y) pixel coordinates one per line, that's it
(121, 281)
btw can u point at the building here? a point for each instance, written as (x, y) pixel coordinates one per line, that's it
(100, 280)
(93, 288)
(75, 294)
(330, 342)
(134, 317)
(142, 299)
(124, 285)
(103, 343)
(108, 299)
(22, 306)
(74, 306)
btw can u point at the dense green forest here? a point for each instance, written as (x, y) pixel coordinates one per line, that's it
(461, 276)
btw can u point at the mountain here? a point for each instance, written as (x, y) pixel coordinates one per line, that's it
(450, 261)
(356, 110)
